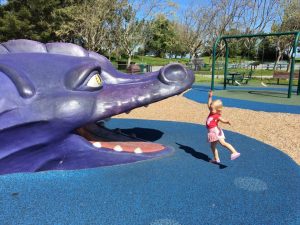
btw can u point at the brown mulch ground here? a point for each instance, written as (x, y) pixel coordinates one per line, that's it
(281, 130)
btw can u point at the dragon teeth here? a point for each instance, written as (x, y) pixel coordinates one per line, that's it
(138, 150)
(97, 144)
(118, 148)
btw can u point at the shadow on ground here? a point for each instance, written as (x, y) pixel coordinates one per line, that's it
(199, 155)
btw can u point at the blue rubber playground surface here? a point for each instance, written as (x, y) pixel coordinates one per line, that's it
(197, 94)
(261, 187)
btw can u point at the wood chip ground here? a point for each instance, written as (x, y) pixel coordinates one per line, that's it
(281, 130)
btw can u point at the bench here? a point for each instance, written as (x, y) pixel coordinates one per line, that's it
(284, 75)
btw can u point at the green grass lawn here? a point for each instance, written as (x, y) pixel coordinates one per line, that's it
(200, 79)
(268, 96)
(154, 61)
(257, 72)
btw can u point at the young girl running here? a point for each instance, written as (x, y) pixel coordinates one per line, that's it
(215, 133)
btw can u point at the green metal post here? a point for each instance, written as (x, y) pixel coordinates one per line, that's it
(212, 87)
(293, 65)
(298, 87)
(226, 63)
(260, 35)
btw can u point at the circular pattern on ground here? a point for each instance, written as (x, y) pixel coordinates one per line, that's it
(250, 184)
(165, 222)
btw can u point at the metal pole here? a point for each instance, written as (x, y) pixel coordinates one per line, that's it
(212, 87)
(260, 35)
(293, 65)
(298, 87)
(226, 63)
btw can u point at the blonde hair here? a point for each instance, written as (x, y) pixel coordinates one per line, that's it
(216, 105)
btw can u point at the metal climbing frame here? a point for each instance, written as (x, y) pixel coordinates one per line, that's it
(224, 38)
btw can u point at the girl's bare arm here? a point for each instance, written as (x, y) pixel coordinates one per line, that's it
(224, 121)
(210, 94)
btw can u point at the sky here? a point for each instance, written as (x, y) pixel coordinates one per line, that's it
(183, 3)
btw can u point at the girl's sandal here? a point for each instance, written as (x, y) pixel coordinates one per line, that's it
(235, 156)
(215, 161)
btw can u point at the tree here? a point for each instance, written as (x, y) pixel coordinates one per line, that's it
(92, 21)
(31, 19)
(204, 24)
(132, 30)
(289, 20)
(178, 47)
(129, 32)
(162, 36)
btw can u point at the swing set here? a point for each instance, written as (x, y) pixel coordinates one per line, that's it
(296, 35)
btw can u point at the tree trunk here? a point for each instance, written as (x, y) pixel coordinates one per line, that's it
(129, 60)
(193, 55)
(277, 60)
(288, 69)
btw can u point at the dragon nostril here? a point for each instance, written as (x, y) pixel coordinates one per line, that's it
(173, 73)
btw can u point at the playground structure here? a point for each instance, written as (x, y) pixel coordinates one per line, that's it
(296, 35)
(54, 97)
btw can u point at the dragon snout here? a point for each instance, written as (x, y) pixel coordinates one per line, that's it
(173, 74)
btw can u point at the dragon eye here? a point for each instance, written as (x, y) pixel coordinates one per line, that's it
(95, 81)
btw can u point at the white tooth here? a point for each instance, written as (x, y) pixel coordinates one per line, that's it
(138, 150)
(118, 148)
(97, 144)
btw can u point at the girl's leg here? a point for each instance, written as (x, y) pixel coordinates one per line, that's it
(228, 146)
(215, 150)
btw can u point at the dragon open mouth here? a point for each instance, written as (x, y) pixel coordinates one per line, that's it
(116, 140)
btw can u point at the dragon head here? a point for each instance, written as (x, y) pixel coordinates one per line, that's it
(54, 98)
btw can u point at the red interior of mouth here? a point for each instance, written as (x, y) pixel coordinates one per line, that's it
(117, 141)
(134, 147)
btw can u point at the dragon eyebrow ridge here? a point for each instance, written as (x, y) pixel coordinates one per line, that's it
(77, 76)
(24, 86)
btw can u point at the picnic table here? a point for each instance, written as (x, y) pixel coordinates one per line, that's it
(234, 76)
(239, 77)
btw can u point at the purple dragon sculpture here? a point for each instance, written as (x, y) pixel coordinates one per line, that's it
(53, 98)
